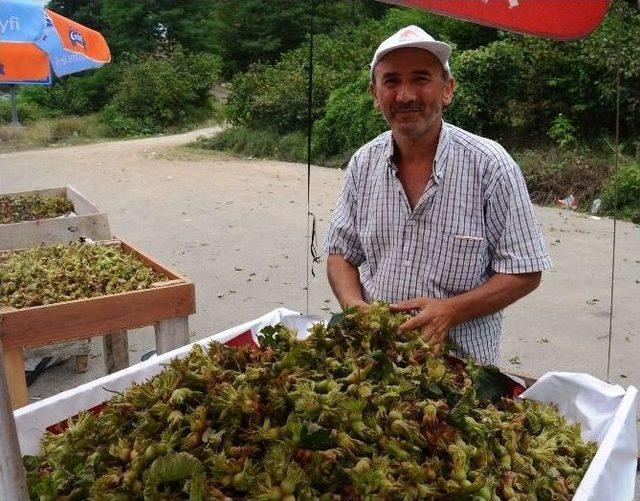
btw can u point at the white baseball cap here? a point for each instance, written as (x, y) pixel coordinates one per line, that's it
(413, 36)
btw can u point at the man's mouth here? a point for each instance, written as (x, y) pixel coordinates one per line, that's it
(413, 108)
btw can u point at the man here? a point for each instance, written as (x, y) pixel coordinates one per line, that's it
(432, 218)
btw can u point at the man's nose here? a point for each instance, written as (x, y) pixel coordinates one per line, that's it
(405, 93)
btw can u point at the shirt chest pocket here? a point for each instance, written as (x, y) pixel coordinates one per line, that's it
(456, 263)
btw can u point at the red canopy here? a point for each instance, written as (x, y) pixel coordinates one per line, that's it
(558, 19)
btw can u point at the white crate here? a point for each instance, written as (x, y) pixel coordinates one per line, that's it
(610, 477)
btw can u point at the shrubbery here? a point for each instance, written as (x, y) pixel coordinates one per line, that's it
(144, 94)
(276, 96)
(553, 173)
(27, 111)
(520, 85)
(79, 94)
(157, 92)
(622, 193)
(350, 120)
(491, 95)
(264, 143)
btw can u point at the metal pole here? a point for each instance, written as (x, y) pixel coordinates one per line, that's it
(13, 480)
(309, 133)
(14, 107)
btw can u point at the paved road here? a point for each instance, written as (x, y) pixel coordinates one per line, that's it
(237, 228)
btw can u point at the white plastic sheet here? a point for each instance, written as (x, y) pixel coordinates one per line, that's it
(607, 415)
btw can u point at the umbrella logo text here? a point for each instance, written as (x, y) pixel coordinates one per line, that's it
(76, 38)
(13, 23)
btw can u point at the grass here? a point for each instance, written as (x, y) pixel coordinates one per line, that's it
(245, 142)
(62, 131)
(248, 143)
(69, 131)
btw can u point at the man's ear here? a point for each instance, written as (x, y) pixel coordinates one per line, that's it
(447, 94)
(372, 91)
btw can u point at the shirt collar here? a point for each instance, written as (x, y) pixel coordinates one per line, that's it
(439, 160)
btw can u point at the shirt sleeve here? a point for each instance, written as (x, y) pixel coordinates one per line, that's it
(512, 229)
(342, 236)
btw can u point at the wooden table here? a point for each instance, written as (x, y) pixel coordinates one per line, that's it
(166, 305)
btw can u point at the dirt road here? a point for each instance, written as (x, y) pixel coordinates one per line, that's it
(237, 228)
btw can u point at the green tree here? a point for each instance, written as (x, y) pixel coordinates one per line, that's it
(255, 31)
(86, 12)
(150, 25)
(275, 96)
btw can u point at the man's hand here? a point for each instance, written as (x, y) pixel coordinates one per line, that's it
(435, 317)
(359, 303)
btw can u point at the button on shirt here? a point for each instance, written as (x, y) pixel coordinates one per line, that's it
(474, 219)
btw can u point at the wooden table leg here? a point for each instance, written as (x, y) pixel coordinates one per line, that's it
(116, 351)
(14, 370)
(171, 334)
(13, 483)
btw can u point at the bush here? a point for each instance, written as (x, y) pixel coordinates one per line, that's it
(27, 112)
(275, 97)
(350, 120)
(80, 94)
(120, 125)
(562, 131)
(553, 173)
(240, 140)
(492, 88)
(292, 147)
(622, 193)
(158, 92)
(263, 143)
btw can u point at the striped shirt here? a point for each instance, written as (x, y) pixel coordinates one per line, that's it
(474, 219)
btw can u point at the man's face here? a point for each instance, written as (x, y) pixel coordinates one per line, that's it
(410, 91)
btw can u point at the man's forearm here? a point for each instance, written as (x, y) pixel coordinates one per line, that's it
(497, 293)
(344, 279)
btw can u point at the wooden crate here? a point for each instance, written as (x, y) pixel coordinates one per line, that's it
(166, 305)
(87, 221)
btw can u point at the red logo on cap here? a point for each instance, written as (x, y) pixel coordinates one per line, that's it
(408, 33)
